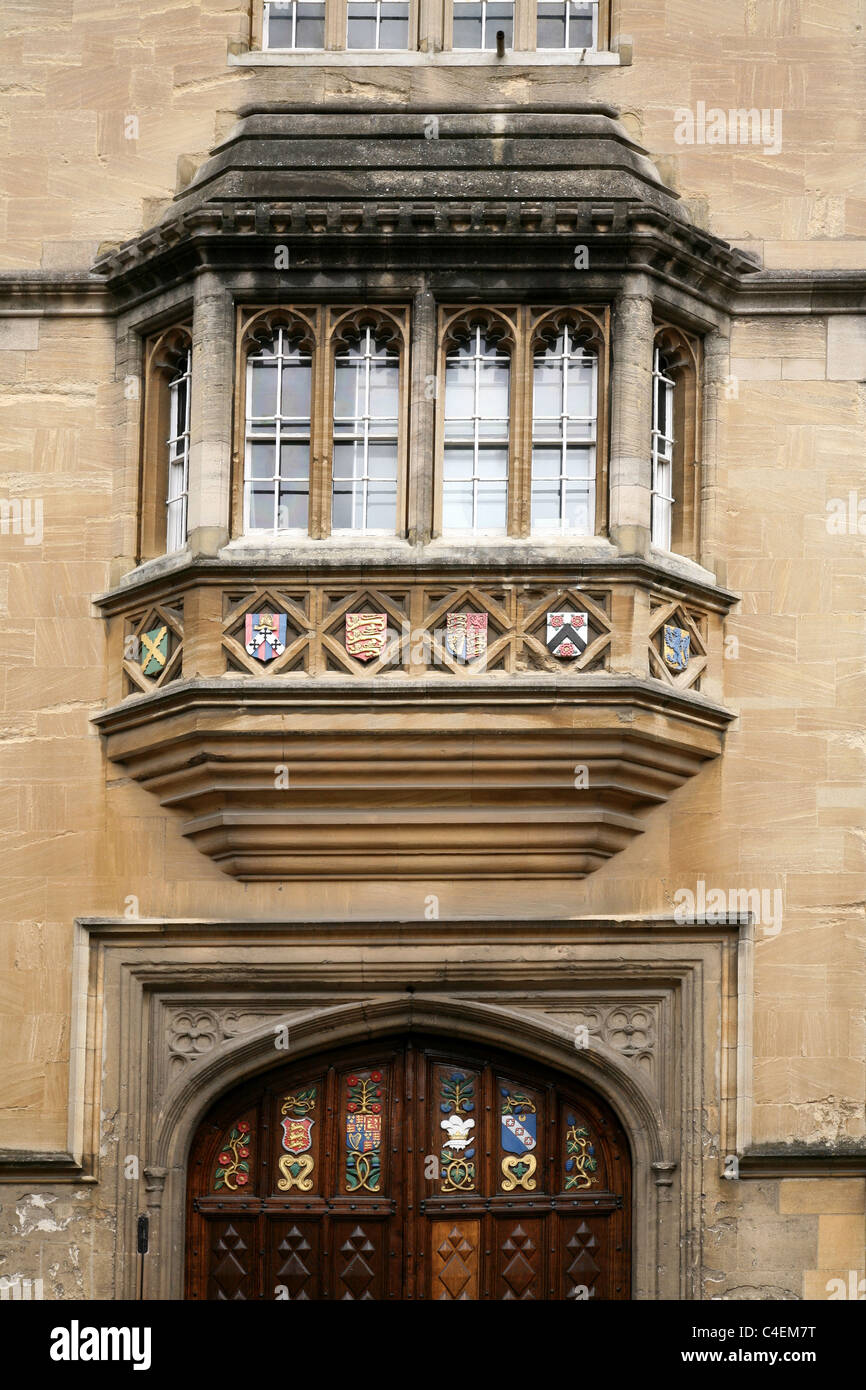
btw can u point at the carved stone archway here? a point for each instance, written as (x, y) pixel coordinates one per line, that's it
(184, 1012)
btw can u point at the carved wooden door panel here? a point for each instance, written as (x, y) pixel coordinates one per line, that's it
(409, 1171)
(532, 1196)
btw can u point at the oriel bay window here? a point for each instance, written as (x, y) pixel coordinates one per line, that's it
(675, 435)
(522, 421)
(166, 439)
(322, 421)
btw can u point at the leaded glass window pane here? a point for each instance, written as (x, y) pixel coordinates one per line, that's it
(567, 24)
(476, 23)
(475, 469)
(277, 467)
(564, 410)
(366, 416)
(177, 496)
(662, 451)
(294, 24)
(375, 24)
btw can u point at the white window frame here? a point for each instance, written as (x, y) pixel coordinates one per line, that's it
(565, 47)
(478, 358)
(177, 480)
(280, 435)
(293, 6)
(572, 354)
(482, 48)
(377, 47)
(662, 455)
(367, 430)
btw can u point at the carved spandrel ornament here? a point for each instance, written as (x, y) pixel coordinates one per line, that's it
(629, 1029)
(191, 1034)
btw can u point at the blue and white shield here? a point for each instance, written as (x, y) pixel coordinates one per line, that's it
(265, 635)
(519, 1126)
(676, 647)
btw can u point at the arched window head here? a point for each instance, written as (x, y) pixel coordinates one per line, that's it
(476, 431)
(564, 432)
(366, 430)
(675, 490)
(277, 445)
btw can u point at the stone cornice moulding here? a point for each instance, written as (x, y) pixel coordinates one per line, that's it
(835, 1159)
(124, 931)
(398, 561)
(758, 293)
(217, 694)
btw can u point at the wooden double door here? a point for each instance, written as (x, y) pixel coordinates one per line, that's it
(409, 1170)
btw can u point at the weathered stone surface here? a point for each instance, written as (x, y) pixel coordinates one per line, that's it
(98, 140)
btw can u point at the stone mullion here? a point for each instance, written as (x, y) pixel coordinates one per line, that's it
(321, 432)
(335, 24)
(524, 25)
(420, 25)
(602, 433)
(520, 451)
(631, 420)
(431, 25)
(421, 430)
(212, 395)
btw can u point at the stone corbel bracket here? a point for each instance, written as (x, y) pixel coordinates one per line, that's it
(536, 777)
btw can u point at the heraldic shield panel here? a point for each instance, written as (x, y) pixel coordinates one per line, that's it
(409, 1171)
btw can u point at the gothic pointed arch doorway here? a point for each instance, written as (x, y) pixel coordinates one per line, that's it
(409, 1169)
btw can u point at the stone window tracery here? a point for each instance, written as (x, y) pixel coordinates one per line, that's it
(523, 421)
(321, 444)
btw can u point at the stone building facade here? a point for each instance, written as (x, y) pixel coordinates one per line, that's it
(248, 833)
